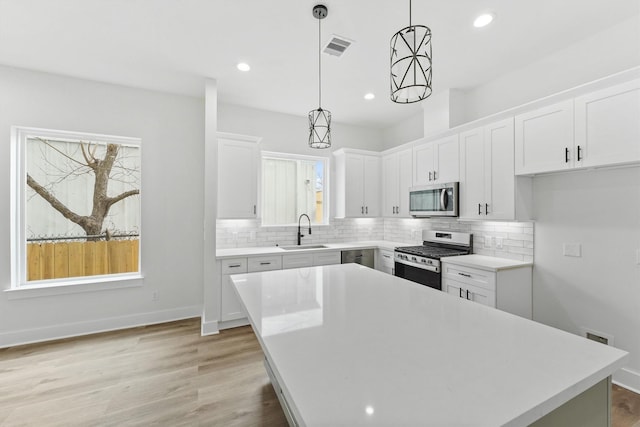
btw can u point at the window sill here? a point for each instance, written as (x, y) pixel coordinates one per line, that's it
(92, 284)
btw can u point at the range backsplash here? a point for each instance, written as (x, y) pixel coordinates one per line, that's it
(516, 238)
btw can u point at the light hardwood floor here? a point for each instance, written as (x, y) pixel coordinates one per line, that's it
(163, 375)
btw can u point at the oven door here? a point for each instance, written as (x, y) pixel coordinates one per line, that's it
(418, 275)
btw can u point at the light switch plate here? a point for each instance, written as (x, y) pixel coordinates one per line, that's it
(572, 249)
(499, 243)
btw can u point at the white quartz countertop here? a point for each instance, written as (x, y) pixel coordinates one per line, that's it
(355, 346)
(484, 262)
(276, 250)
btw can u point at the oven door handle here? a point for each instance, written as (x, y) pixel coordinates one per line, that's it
(431, 268)
(444, 199)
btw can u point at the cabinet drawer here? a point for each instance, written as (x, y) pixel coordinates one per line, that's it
(297, 261)
(327, 258)
(386, 259)
(470, 276)
(265, 263)
(469, 292)
(234, 266)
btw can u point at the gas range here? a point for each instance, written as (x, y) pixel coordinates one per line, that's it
(436, 244)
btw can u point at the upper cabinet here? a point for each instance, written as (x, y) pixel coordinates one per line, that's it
(357, 184)
(600, 128)
(607, 125)
(544, 139)
(436, 161)
(396, 181)
(237, 178)
(488, 187)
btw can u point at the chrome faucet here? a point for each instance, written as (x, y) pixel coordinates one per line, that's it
(300, 236)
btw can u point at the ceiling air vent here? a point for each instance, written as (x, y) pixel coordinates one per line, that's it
(337, 45)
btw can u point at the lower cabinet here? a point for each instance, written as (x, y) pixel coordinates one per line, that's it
(507, 289)
(385, 262)
(231, 310)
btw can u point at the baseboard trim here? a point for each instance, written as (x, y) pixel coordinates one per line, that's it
(628, 379)
(209, 328)
(68, 330)
(233, 323)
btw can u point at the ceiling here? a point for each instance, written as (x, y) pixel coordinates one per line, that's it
(172, 45)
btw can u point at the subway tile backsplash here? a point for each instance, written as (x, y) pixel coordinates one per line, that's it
(513, 240)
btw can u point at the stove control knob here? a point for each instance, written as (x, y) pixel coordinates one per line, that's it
(423, 260)
(413, 258)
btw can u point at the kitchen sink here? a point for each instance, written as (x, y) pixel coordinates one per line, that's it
(301, 247)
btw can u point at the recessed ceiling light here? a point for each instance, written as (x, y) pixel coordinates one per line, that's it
(483, 20)
(369, 96)
(243, 66)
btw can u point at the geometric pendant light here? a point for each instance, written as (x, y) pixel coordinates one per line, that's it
(319, 119)
(411, 63)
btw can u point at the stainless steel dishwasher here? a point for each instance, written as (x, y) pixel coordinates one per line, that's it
(359, 256)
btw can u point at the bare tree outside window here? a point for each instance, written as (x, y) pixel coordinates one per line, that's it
(82, 207)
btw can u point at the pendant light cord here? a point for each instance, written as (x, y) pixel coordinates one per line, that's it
(319, 67)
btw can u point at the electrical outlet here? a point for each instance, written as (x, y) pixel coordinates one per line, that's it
(487, 241)
(155, 296)
(572, 249)
(499, 243)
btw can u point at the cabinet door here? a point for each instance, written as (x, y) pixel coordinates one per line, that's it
(480, 295)
(297, 261)
(607, 125)
(499, 173)
(447, 160)
(390, 184)
(371, 185)
(472, 174)
(423, 161)
(544, 139)
(327, 258)
(385, 262)
(237, 179)
(405, 166)
(231, 307)
(452, 287)
(354, 185)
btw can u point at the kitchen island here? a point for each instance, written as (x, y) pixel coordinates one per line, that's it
(348, 345)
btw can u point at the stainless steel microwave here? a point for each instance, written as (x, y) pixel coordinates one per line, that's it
(434, 200)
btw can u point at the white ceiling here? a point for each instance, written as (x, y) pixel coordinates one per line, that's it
(171, 45)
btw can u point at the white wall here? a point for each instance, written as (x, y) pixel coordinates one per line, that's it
(171, 128)
(410, 129)
(613, 50)
(600, 210)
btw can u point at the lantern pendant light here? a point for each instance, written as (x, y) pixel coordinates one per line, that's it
(411, 63)
(319, 120)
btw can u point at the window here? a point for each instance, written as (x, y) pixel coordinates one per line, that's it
(76, 207)
(293, 185)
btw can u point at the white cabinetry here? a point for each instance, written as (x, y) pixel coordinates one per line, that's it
(385, 262)
(436, 161)
(488, 187)
(237, 178)
(264, 263)
(505, 289)
(396, 181)
(544, 139)
(357, 183)
(327, 258)
(607, 125)
(230, 306)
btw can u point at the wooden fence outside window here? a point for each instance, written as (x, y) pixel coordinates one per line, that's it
(58, 260)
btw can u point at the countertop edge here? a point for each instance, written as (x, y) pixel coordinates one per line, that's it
(477, 262)
(275, 250)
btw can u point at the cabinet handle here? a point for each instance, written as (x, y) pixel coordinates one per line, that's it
(429, 175)
(366, 210)
(461, 293)
(465, 274)
(434, 175)
(579, 156)
(397, 209)
(387, 256)
(479, 209)
(566, 155)
(468, 294)
(234, 265)
(486, 208)
(254, 209)
(361, 209)
(265, 263)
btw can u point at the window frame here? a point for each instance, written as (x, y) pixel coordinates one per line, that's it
(19, 137)
(325, 184)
